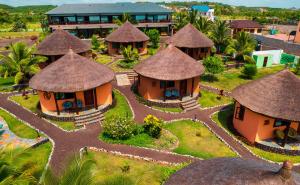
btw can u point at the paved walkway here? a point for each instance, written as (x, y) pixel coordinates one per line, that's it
(66, 143)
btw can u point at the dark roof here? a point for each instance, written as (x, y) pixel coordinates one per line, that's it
(190, 37)
(244, 24)
(170, 64)
(127, 33)
(275, 95)
(71, 73)
(59, 42)
(234, 171)
(271, 43)
(108, 8)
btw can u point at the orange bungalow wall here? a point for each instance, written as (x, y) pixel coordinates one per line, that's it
(253, 126)
(104, 96)
(150, 88)
(115, 51)
(297, 38)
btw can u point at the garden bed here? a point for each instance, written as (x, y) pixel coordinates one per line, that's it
(209, 99)
(104, 59)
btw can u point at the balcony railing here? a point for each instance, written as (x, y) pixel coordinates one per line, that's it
(88, 22)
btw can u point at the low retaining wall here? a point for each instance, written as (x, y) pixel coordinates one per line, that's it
(277, 150)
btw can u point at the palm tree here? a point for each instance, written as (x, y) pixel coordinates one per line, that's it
(20, 62)
(130, 54)
(192, 16)
(180, 20)
(242, 46)
(220, 34)
(203, 24)
(125, 17)
(78, 172)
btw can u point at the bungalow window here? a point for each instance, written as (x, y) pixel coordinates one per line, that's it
(139, 44)
(115, 18)
(80, 20)
(167, 84)
(140, 18)
(259, 30)
(240, 113)
(162, 18)
(116, 45)
(94, 19)
(251, 30)
(104, 19)
(63, 96)
(280, 122)
(70, 19)
(55, 20)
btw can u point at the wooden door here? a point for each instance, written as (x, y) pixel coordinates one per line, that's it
(183, 87)
(265, 61)
(89, 97)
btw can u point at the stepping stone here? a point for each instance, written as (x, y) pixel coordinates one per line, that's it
(122, 80)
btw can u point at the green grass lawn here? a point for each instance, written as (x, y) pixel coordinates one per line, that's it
(209, 99)
(6, 83)
(230, 79)
(221, 117)
(165, 142)
(168, 109)
(121, 109)
(196, 140)
(31, 103)
(103, 59)
(18, 127)
(108, 168)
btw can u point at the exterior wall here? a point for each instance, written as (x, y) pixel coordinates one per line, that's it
(275, 53)
(104, 96)
(197, 53)
(253, 125)
(150, 89)
(260, 60)
(249, 30)
(114, 51)
(297, 38)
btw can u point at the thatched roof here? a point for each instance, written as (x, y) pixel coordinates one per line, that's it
(244, 24)
(71, 73)
(190, 37)
(59, 42)
(170, 64)
(276, 95)
(234, 171)
(127, 33)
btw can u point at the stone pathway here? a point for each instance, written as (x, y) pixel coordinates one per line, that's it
(122, 80)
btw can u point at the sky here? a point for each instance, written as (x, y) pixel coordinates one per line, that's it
(267, 3)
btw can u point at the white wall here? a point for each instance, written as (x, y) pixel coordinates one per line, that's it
(276, 54)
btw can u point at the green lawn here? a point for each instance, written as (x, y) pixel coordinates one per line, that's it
(230, 79)
(18, 127)
(31, 103)
(6, 83)
(168, 109)
(209, 99)
(196, 140)
(221, 117)
(121, 109)
(103, 59)
(165, 142)
(108, 168)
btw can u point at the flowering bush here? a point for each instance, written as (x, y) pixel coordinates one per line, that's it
(153, 126)
(118, 127)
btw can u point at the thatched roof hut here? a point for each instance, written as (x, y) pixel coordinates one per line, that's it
(71, 73)
(127, 33)
(234, 171)
(170, 64)
(190, 37)
(59, 42)
(276, 95)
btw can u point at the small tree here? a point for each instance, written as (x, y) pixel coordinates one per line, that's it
(249, 70)
(154, 36)
(19, 25)
(153, 126)
(95, 43)
(213, 65)
(118, 127)
(130, 54)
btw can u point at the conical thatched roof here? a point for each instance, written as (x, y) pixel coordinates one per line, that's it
(235, 171)
(276, 95)
(59, 42)
(170, 64)
(190, 37)
(127, 33)
(71, 73)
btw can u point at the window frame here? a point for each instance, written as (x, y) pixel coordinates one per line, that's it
(64, 96)
(240, 112)
(283, 123)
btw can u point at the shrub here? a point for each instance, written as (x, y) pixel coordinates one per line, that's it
(118, 127)
(130, 54)
(213, 65)
(153, 126)
(154, 37)
(249, 70)
(95, 43)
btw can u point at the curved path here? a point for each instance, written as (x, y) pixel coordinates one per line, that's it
(66, 143)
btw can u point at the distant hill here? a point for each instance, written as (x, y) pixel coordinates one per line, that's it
(20, 9)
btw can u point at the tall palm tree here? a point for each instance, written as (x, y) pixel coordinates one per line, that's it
(203, 24)
(20, 62)
(78, 172)
(192, 16)
(220, 34)
(242, 46)
(180, 19)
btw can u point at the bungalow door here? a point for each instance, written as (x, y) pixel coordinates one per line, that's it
(183, 87)
(265, 62)
(89, 98)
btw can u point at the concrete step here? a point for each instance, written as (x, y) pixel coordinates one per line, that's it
(188, 102)
(90, 122)
(190, 105)
(192, 108)
(92, 114)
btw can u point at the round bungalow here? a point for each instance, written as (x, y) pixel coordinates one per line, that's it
(126, 35)
(58, 43)
(169, 74)
(235, 171)
(72, 84)
(192, 42)
(266, 105)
